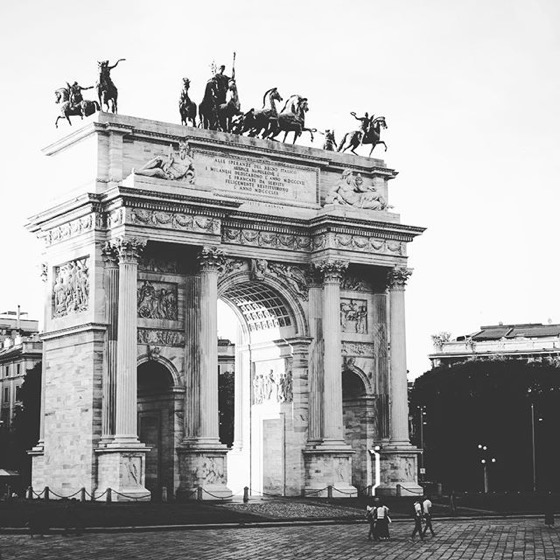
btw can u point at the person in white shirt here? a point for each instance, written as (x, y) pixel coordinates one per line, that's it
(427, 507)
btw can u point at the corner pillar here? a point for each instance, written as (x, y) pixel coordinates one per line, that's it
(330, 462)
(202, 458)
(121, 462)
(398, 458)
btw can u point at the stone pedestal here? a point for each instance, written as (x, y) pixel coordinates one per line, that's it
(123, 471)
(326, 467)
(399, 472)
(203, 472)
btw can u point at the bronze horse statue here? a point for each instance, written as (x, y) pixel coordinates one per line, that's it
(106, 89)
(371, 136)
(230, 109)
(70, 108)
(208, 108)
(257, 121)
(291, 119)
(187, 108)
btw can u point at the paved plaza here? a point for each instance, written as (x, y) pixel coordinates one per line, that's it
(476, 539)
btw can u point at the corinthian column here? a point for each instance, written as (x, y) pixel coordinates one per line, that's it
(111, 258)
(126, 429)
(397, 279)
(332, 271)
(210, 260)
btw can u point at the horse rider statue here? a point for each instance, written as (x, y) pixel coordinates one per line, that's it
(187, 107)
(106, 89)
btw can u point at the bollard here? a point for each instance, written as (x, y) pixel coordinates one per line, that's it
(245, 494)
(109, 495)
(399, 490)
(30, 492)
(164, 493)
(83, 494)
(369, 490)
(47, 493)
(199, 493)
(329, 491)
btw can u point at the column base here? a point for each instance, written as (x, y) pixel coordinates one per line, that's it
(399, 471)
(203, 471)
(122, 469)
(328, 471)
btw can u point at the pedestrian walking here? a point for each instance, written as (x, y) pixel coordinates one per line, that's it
(418, 513)
(370, 516)
(382, 521)
(549, 510)
(427, 509)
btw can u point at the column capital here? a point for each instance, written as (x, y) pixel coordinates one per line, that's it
(332, 270)
(211, 259)
(110, 254)
(129, 249)
(398, 277)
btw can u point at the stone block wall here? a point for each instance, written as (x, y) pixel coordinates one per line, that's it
(73, 395)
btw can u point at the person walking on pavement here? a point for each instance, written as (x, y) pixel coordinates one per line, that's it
(370, 516)
(382, 521)
(417, 520)
(427, 508)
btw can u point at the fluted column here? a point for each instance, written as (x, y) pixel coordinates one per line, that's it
(210, 260)
(397, 279)
(110, 256)
(126, 429)
(332, 271)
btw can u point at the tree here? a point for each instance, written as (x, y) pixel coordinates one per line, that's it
(26, 423)
(489, 402)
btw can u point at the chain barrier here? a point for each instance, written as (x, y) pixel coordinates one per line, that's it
(63, 497)
(134, 498)
(217, 497)
(413, 492)
(346, 493)
(38, 496)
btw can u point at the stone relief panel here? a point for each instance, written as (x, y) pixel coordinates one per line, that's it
(353, 283)
(175, 220)
(211, 471)
(151, 263)
(161, 337)
(272, 382)
(358, 348)
(70, 287)
(354, 315)
(364, 243)
(157, 300)
(75, 227)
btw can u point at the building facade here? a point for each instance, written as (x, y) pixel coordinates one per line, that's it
(527, 341)
(299, 243)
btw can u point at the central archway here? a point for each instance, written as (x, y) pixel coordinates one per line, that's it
(260, 318)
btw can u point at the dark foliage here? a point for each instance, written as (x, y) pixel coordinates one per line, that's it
(489, 403)
(226, 398)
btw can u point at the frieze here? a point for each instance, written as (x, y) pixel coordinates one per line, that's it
(358, 349)
(73, 228)
(157, 300)
(161, 337)
(272, 239)
(70, 287)
(353, 315)
(367, 244)
(175, 220)
(150, 263)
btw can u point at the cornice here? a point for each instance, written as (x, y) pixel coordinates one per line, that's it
(76, 329)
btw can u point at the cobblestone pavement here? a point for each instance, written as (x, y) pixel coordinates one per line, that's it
(473, 539)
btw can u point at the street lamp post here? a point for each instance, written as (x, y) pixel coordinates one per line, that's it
(483, 449)
(422, 411)
(533, 449)
(375, 453)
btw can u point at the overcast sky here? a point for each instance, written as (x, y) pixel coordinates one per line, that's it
(470, 90)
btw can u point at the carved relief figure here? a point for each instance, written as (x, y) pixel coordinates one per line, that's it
(272, 387)
(258, 269)
(351, 191)
(353, 315)
(71, 288)
(157, 303)
(169, 166)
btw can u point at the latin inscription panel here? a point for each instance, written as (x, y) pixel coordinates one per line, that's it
(251, 178)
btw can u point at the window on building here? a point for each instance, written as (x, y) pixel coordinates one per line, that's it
(6, 394)
(18, 369)
(18, 393)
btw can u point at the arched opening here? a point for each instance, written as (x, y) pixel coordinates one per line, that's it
(156, 424)
(359, 424)
(259, 320)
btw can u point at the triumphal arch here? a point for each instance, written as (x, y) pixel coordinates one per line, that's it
(162, 222)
